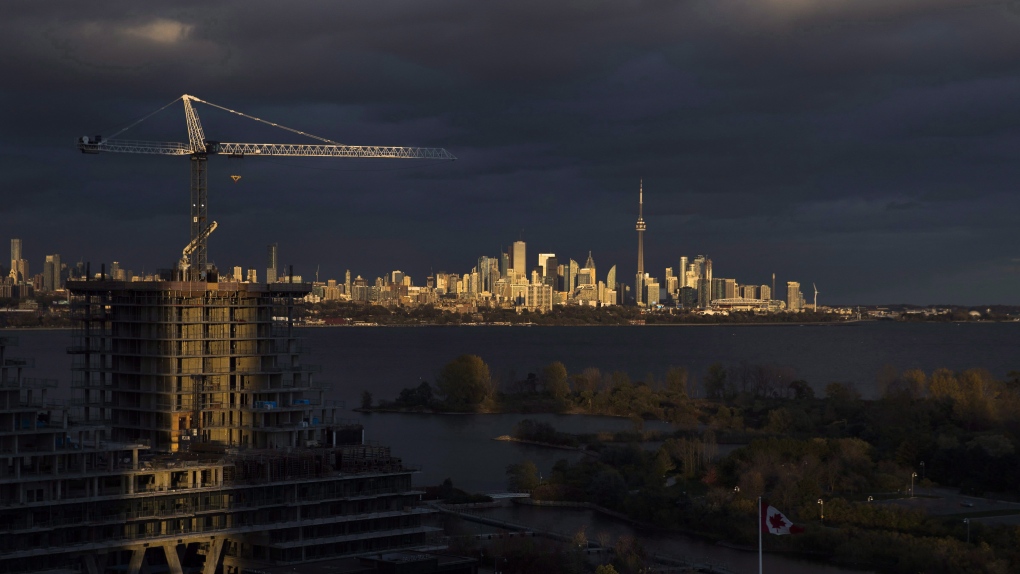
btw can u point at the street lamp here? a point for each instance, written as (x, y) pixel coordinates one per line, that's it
(913, 475)
(967, 522)
(870, 498)
(821, 510)
(736, 488)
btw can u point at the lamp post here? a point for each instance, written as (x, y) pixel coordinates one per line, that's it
(913, 475)
(736, 489)
(967, 522)
(821, 510)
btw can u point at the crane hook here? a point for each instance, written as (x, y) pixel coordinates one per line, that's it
(239, 164)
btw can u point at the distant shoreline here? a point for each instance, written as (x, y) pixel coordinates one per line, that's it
(849, 323)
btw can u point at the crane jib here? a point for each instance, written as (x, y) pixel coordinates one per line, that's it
(97, 145)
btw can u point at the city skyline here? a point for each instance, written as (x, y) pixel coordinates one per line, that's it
(506, 280)
(784, 137)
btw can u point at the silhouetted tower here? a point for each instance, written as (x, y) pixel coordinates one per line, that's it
(639, 282)
(272, 265)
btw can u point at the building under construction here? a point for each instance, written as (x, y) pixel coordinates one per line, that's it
(197, 440)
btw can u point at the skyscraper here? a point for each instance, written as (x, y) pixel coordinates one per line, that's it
(640, 277)
(651, 291)
(519, 259)
(611, 284)
(704, 266)
(672, 283)
(542, 262)
(586, 275)
(682, 272)
(570, 276)
(552, 272)
(271, 264)
(51, 273)
(19, 267)
(794, 298)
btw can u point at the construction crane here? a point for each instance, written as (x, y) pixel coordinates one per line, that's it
(190, 248)
(198, 148)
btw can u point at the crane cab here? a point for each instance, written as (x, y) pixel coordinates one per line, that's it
(90, 145)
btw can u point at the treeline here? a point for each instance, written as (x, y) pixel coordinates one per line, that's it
(465, 384)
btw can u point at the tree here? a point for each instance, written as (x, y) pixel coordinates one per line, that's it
(594, 376)
(843, 392)
(580, 539)
(416, 396)
(554, 377)
(676, 381)
(465, 381)
(802, 390)
(780, 421)
(715, 381)
(522, 476)
(943, 385)
(366, 400)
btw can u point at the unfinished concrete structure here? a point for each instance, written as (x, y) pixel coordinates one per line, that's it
(197, 441)
(176, 363)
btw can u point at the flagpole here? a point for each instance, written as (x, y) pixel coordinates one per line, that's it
(759, 535)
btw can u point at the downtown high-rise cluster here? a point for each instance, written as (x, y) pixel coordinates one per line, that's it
(507, 281)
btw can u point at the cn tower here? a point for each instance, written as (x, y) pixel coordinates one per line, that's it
(639, 283)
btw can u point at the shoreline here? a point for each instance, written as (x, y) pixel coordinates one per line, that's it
(850, 323)
(508, 438)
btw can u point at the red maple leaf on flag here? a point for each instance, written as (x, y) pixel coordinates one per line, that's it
(776, 521)
(773, 521)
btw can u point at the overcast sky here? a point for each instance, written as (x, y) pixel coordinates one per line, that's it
(871, 147)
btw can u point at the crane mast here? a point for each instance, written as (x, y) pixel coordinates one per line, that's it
(198, 148)
(189, 250)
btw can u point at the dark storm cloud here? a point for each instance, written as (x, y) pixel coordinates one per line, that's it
(867, 145)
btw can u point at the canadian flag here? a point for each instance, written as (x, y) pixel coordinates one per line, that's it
(773, 521)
